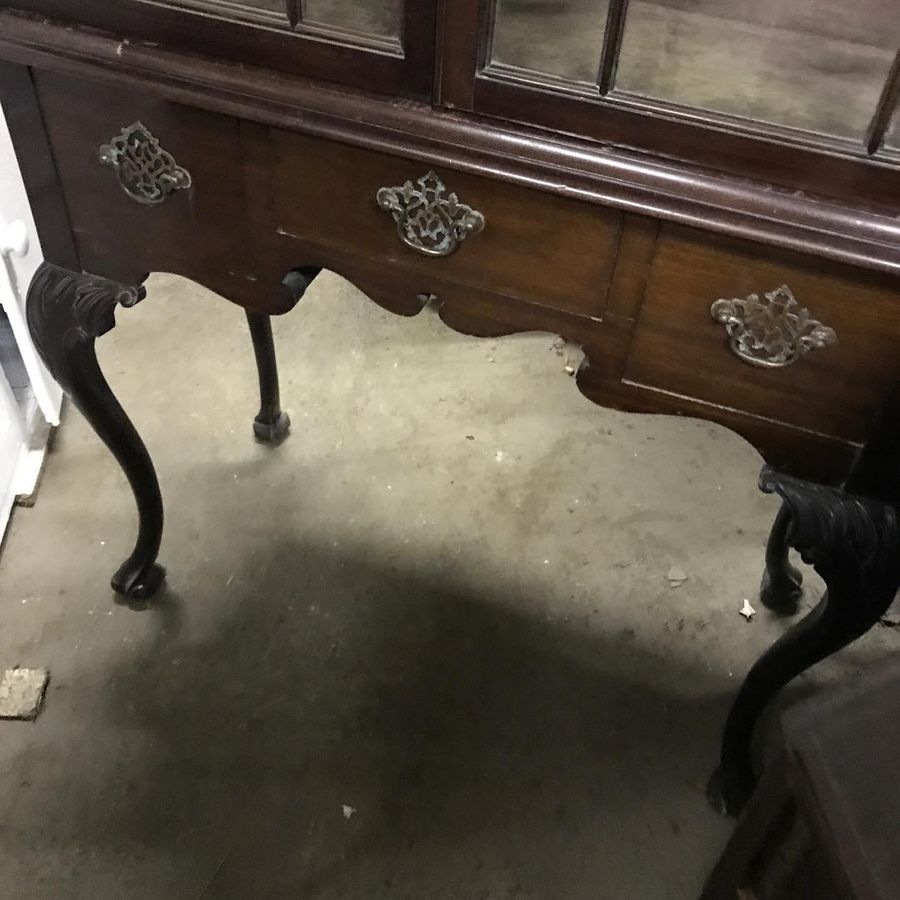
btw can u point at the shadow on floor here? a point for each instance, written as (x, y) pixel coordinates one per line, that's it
(475, 745)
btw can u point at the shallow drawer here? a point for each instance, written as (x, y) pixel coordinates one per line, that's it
(533, 246)
(679, 347)
(198, 218)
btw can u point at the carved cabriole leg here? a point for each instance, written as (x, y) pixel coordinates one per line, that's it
(854, 544)
(66, 312)
(781, 584)
(271, 425)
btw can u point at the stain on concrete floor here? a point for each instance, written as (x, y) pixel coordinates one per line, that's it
(472, 642)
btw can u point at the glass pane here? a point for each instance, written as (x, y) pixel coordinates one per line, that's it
(561, 37)
(379, 17)
(815, 64)
(892, 138)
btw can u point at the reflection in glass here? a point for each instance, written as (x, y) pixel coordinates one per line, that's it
(380, 18)
(377, 17)
(892, 138)
(555, 37)
(814, 64)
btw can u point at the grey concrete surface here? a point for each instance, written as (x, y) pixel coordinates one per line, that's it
(442, 602)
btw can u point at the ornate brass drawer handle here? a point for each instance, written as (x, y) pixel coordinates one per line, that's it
(147, 173)
(428, 219)
(771, 333)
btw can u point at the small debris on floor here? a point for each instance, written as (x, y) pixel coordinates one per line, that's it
(560, 345)
(746, 610)
(348, 811)
(22, 692)
(676, 576)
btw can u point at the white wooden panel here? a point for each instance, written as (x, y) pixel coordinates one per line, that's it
(19, 263)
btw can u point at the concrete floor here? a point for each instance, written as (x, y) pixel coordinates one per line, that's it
(442, 602)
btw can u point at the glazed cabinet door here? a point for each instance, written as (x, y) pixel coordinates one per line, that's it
(818, 66)
(384, 46)
(800, 94)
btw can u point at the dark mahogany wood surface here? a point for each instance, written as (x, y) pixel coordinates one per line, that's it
(549, 163)
(207, 221)
(26, 127)
(618, 252)
(831, 169)
(679, 347)
(390, 67)
(537, 247)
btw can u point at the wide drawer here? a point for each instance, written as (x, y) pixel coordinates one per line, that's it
(533, 246)
(197, 220)
(678, 346)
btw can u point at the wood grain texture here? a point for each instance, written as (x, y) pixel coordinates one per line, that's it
(285, 175)
(205, 222)
(847, 231)
(542, 248)
(678, 347)
(605, 340)
(633, 265)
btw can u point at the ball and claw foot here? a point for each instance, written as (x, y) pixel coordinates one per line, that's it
(272, 432)
(138, 585)
(781, 591)
(66, 312)
(727, 796)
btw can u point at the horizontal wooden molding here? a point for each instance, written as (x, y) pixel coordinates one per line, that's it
(541, 160)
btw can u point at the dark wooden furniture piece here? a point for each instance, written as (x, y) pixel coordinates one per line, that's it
(851, 535)
(825, 821)
(703, 195)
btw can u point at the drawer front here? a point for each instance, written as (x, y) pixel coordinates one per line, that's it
(533, 246)
(679, 346)
(174, 204)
